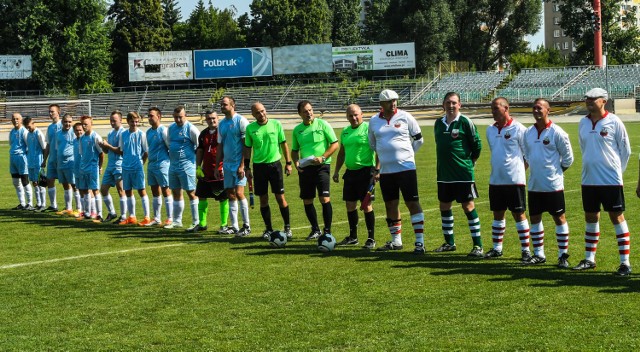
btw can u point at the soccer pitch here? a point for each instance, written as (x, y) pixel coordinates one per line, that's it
(68, 285)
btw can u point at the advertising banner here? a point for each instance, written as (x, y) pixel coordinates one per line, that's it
(311, 58)
(15, 66)
(160, 66)
(231, 63)
(374, 57)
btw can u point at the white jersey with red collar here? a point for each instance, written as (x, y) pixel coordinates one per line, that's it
(548, 153)
(507, 153)
(395, 141)
(605, 150)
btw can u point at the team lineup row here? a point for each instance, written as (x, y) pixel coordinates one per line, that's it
(215, 163)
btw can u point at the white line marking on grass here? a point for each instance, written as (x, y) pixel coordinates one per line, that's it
(17, 265)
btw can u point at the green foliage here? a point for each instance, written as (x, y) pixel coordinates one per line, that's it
(374, 30)
(540, 57)
(345, 19)
(209, 28)
(171, 16)
(138, 26)
(358, 89)
(217, 95)
(623, 34)
(289, 22)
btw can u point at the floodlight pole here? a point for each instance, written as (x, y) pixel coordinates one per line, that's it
(606, 67)
(597, 34)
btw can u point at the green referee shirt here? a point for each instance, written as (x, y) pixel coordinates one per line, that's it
(265, 141)
(457, 145)
(313, 139)
(355, 141)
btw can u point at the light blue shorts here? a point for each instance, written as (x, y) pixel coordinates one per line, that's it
(52, 169)
(185, 179)
(133, 180)
(231, 179)
(18, 164)
(88, 181)
(111, 176)
(34, 174)
(158, 175)
(66, 176)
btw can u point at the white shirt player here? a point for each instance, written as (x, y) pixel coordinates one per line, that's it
(605, 150)
(548, 153)
(395, 141)
(507, 153)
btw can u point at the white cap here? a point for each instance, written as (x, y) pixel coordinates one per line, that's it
(596, 93)
(388, 95)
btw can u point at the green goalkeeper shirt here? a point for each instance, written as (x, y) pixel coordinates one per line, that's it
(457, 146)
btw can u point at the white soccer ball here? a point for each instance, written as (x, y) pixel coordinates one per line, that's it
(326, 243)
(277, 239)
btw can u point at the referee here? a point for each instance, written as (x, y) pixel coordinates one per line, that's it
(356, 153)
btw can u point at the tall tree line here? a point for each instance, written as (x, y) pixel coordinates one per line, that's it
(77, 44)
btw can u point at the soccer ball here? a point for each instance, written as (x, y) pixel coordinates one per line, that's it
(326, 243)
(277, 239)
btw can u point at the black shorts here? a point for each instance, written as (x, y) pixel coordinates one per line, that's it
(461, 192)
(356, 184)
(406, 182)
(314, 177)
(611, 198)
(550, 202)
(211, 189)
(512, 197)
(265, 174)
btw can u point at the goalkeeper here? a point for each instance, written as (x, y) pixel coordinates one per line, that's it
(208, 186)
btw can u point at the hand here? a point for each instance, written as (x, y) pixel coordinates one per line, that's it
(299, 168)
(199, 172)
(248, 173)
(287, 169)
(240, 172)
(336, 177)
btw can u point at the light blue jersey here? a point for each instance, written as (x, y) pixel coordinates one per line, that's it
(18, 141)
(133, 146)
(35, 149)
(158, 150)
(115, 160)
(183, 141)
(90, 151)
(52, 133)
(230, 134)
(64, 147)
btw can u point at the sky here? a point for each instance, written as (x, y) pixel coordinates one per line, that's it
(242, 6)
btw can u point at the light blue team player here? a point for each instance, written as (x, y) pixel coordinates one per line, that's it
(78, 132)
(65, 161)
(113, 173)
(51, 156)
(235, 158)
(183, 141)
(36, 146)
(158, 168)
(18, 162)
(91, 158)
(133, 148)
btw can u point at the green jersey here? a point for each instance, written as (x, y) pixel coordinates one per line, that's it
(457, 145)
(357, 152)
(313, 139)
(265, 141)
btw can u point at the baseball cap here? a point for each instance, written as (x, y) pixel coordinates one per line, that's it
(388, 95)
(596, 93)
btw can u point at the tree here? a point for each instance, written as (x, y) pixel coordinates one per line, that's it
(67, 40)
(374, 29)
(428, 23)
(541, 57)
(138, 26)
(487, 31)
(289, 22)
(211, 28)
(345, 16)
(619, 29)
(171, 15)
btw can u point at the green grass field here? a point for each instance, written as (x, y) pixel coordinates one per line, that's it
(66, 285)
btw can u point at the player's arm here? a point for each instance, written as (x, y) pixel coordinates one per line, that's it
(219, 157)
(638, 183)
(339, 163)
(45, 147)
(624, 147)
(475, 142)
(565, 150)
(287, 158)
(416, 134)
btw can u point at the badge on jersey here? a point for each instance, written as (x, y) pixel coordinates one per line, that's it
(455, 133)
(604, 132)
